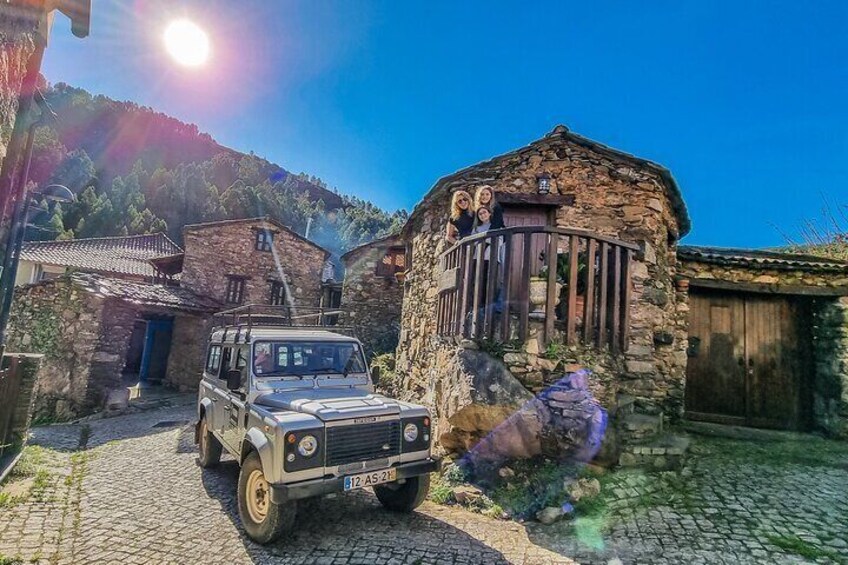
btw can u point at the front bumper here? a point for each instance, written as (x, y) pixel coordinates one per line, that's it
(305, 489)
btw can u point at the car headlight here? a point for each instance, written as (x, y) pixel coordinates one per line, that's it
(410, 432)
(307, 446)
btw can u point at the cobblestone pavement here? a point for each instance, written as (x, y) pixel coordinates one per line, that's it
(133, 494)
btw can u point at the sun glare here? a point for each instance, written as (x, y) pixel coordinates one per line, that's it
(187, 43)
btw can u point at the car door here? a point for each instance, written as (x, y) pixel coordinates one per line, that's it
(210, 384)
(235, 411)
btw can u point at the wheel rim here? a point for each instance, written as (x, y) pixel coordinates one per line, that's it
(258, 496)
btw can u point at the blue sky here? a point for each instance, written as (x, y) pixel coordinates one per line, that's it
(745, 102)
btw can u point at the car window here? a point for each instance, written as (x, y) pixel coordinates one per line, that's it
(302, 358)
(213, 359)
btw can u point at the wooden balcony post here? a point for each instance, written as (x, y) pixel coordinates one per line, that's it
(602, 302)
(550, 301)
(573, 251)
(589, 303)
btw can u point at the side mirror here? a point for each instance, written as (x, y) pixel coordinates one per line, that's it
(375, 375)
(234, 379)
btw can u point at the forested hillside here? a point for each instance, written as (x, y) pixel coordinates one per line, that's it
(138, 171)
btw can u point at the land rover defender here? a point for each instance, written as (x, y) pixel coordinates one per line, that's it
(296, 407)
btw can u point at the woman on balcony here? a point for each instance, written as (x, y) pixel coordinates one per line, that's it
(485, 198)
(461, 221)
(483, 223)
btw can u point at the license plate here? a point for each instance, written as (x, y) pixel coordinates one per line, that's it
(363, 480)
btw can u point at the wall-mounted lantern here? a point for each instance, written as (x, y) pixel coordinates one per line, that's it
(543, 182)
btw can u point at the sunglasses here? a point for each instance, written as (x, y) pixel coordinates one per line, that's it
(461, 200)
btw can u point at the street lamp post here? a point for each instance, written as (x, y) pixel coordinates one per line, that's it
(55, 192)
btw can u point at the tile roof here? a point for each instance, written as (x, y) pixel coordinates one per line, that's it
(761, 258)
(144, 294)
(127, 255)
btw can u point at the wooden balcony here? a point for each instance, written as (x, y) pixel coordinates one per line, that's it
(575, 284)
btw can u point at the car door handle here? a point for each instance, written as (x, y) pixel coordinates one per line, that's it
(227, 408)
(214, 399)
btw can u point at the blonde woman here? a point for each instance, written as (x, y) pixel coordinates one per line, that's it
(485, 198)
(461, 221)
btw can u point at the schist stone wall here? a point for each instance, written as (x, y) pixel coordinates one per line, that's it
(372, 301)
(221, 249)
(63, 322)
(17, 43)
(613, 194)
(188, 351)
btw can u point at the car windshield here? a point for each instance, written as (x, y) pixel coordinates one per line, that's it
(296, 358)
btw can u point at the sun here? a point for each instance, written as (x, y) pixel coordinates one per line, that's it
(187, 43)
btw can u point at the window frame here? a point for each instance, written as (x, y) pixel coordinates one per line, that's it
(390, 268)
(236, 289)
(277, 291)
(263, 241)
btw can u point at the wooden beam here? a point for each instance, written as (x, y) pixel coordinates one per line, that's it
(798, 290)
(627, 270)
(573, 251)
(589, 299)
(524, 290)
(536, 199)
(602, 302)
(505, 295)
(550, 302)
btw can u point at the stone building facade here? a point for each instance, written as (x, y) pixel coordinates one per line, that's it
(373, 292)
(83, 324)
(587, 186)
(591, 187)
(227, 255)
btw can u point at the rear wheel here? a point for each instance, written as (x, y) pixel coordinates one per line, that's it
(263, 520)
(406, 497)
(209, 448)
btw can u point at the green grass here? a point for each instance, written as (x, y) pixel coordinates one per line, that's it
(440, 491)
(10, 560)
(811, 452)
(794, 544)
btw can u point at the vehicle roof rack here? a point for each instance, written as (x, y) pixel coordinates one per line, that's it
(243, 318)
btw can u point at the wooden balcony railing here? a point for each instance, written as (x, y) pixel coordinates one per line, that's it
(493, 285)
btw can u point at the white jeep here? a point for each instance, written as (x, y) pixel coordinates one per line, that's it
(295, 406)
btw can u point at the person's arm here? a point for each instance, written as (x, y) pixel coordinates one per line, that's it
(451, 233)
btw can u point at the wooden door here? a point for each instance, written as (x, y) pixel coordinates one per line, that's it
(715, 372)
(517, 216)
(773, 362)
(745, 363)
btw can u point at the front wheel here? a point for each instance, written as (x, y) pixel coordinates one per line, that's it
(263, 520)
(406, 497)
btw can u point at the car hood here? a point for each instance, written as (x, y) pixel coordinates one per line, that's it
(330, 405)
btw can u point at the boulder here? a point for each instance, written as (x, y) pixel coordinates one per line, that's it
(466, 494)
(583, 488)
(476, 396)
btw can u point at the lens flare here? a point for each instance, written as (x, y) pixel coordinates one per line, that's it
(187, 43)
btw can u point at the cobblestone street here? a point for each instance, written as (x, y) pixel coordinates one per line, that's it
(128, 490)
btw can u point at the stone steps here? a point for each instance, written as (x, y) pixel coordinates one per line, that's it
(663, 452)
(636, 427)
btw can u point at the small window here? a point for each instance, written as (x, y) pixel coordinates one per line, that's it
(278, 294)
(264, 240)
(235, 290)
(213, 361)
(394, 261)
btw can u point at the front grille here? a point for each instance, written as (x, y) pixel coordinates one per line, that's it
(349, 444)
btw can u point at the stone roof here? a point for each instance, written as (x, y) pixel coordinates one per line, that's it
(266, 219)
(764, 259)
(127, 255)
(562, 132)
(388, 241)
(144, 294)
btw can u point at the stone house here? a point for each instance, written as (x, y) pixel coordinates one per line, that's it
(617, 300)
(126, 257)
(100, 332)
(372, 292)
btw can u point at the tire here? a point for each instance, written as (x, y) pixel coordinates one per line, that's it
(263, 520)
(209, 447)
(406, 497)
